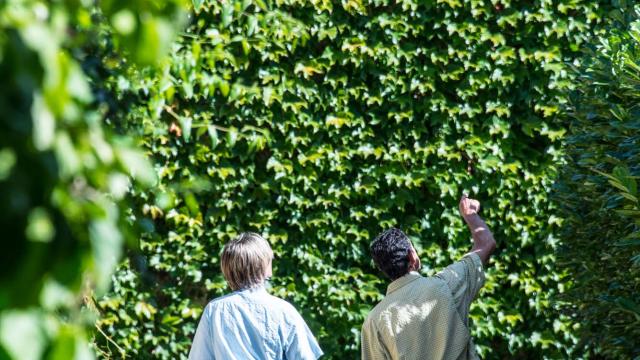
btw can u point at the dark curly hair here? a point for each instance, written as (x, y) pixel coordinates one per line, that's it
(390, 252)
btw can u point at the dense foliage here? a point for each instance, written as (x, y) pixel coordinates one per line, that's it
(320, 123)
(63, 174)
(598, 194)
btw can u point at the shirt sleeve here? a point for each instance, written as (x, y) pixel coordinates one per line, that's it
(301, 344)
(371, 346)
(465, 278)
(202, 346)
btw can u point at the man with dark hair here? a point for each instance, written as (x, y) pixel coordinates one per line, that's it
(426, 318)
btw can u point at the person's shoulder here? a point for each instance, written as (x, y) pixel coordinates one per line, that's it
(424, 288)
(435, 285)
(282, 311)
(369, 322)
(218, 305)
(282, 305)
(434, 280)
(220, 301)
(374, 314)
(378, 311)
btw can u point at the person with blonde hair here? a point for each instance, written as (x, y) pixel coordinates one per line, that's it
(250, 323)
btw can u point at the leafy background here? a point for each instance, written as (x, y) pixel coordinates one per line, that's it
(597, 193)
(319, 124)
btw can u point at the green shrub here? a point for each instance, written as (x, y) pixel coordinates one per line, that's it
(63, 174)
(320, 123)
(598, 196)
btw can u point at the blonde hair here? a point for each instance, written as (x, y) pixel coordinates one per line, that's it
(245, 261)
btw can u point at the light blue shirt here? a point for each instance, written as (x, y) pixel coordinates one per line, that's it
(252, 324)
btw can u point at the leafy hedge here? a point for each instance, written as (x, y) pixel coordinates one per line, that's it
(320, 123)
(63, 174)
(598, 196)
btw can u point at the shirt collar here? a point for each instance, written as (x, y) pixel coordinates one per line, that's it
(402, 281)
(253, 290)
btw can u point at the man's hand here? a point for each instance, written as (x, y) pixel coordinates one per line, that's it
(468, 206)
(483, 241)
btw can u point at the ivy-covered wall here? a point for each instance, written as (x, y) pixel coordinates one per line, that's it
(320, 123)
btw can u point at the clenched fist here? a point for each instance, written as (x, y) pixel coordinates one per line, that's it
(468, 206)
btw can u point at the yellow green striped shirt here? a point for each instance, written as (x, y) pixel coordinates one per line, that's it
(425, 318)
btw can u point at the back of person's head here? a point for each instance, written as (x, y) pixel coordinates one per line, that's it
(390, 251)
(246, 261)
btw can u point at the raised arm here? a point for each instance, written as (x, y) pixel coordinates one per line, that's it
(483, 241)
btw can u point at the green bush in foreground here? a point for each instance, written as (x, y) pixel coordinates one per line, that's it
(63, 174)
(320, 123)
(598, 196)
